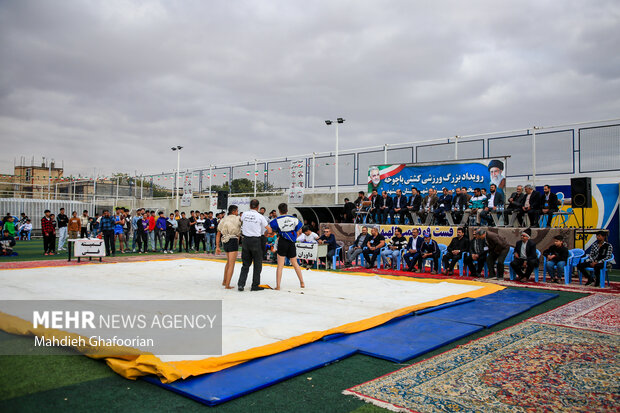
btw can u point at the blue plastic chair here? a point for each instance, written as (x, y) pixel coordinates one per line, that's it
(512, 273)
(603, 270)
(574, 258)
(337, 258)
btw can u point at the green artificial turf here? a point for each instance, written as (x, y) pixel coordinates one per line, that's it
(78, 383)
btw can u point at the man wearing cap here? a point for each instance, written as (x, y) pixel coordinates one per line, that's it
(600, 251)
(429, 250)
(524, 256)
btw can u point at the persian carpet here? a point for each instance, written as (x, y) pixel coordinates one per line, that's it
(595, 312)
(527, 367)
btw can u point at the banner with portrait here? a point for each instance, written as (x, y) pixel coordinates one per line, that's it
(480, 173)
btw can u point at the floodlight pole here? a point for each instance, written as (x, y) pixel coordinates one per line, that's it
(178, 151)
(534, 156)
(329, 122)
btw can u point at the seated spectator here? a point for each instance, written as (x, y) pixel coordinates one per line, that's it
(7, 242)
(412, 256)
(525, 257)
(413, 205)
(458, 246)
(429, 203)
(25, 229)
(373, 247)
(477, 256)
(556, 255)
(399, 207)
(495, 205)
(329, 239)
(349, 211)
(444, 204)
(431, 250)
(600, 251)
(358, 246)
(384, 205)
(515, 204)
(550, 204)
(373, 207)
(531, 206)
(395, 247)
(459, 205)
(23, 218)
(309, 237)
(477, 203)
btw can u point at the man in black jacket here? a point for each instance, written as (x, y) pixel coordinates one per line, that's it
(531, 205)
(550, 204)
(515, 203)
(349, 211)
(459, 204)
(556, 255)
(413, 205)
(358, 246)
(7, 242)
(384, 205)
(458, 246)
(183, 230)
(524, 256)
(495, 204)
(399, 204)
(444, 204)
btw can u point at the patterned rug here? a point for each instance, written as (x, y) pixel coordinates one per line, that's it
(525, 368)
(598, 312)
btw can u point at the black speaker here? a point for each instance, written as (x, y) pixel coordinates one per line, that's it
(581, 192)
(222, 200)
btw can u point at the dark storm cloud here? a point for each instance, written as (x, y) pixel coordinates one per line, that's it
(113, 84)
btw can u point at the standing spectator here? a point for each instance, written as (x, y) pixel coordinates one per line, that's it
(84, 224)
(556, 255)
(151, 221)
(600, 251)
(412, 256)
(119, 221)
(7, 242)
(431, 250)
(171, 230)
(107, 225)
(49, 233)
(524, 256)
(183, 230)
(211, 228)
(142, 226)
(63, 221)
(94, 225)
(134, 228)
(497, 252)
(373, 248)
(550, 204)
(53, 237)
(74, 225)
(160, 231)
(229, 231)
(200, 234)
(358, 246)
(192, 229)
(397, 244)
(23, 218)
(458, 246)
(126, 228)
(329, 239)
(253, 227)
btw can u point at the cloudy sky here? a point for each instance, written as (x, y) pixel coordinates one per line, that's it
(110, 85)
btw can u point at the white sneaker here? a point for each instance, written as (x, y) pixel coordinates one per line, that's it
(170, 252)
(165, 252)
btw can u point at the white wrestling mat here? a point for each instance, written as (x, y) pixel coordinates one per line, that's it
(250, 318)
